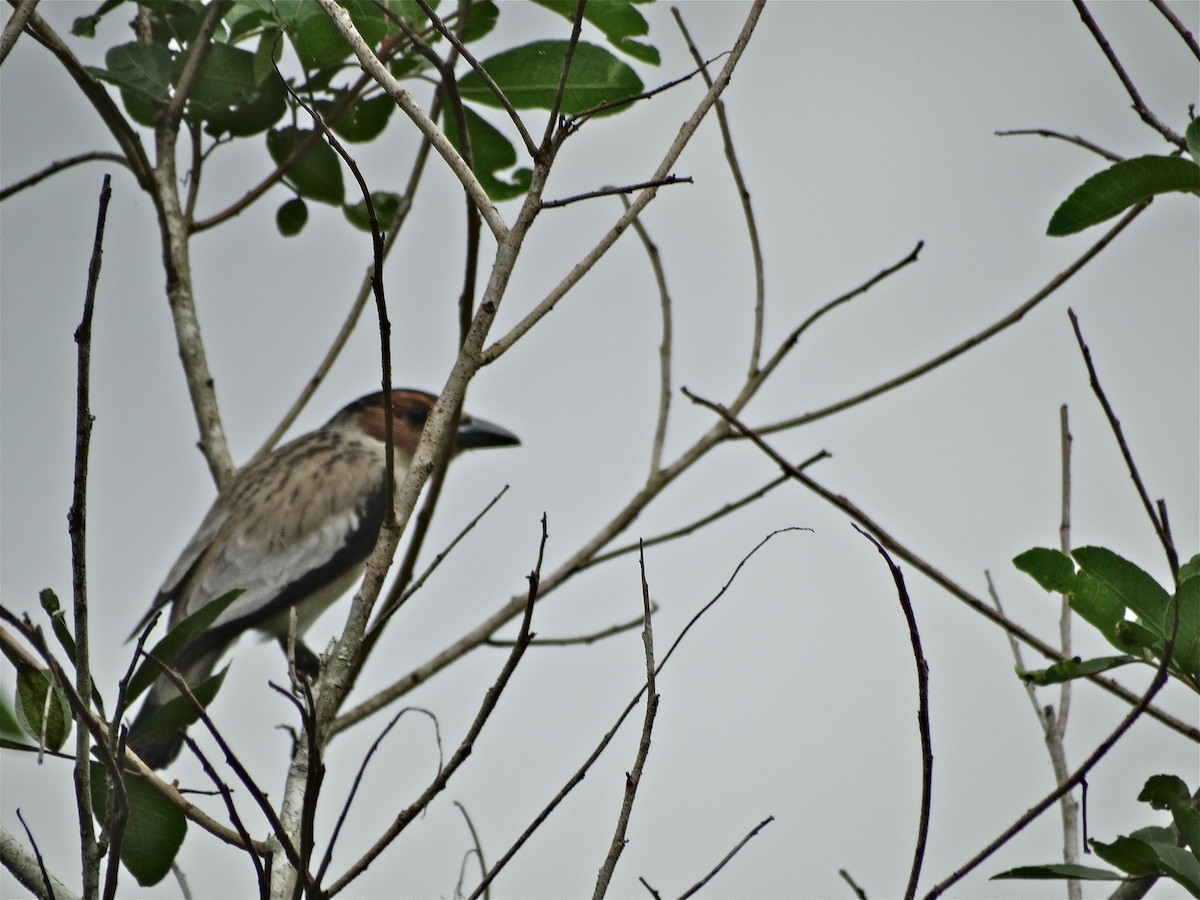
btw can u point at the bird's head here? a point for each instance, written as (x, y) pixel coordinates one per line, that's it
(410, 409)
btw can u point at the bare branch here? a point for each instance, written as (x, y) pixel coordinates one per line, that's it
(15, 25)
(590, 638)
(634, 777)
(699, 885)
(858, 892)
(1069, 138)
(922, 715)
(77, 527)
(1177, 24)
(991, 331)
(617, 191)
(579, 775)
(1139, 105)
(735, 169)
(1119, 434)
(55, 167)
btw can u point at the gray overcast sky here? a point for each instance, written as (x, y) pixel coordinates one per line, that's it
(862, 128)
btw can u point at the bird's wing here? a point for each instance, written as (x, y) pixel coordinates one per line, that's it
(309, 523)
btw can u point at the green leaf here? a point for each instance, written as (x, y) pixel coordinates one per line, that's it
(226, 79)
(1102, 608)
(58, 621)
(264, 109)
(1125, 184)
(482, 20)
(154, 829)
(144, 69)
(1193, 139)
(529, 77)
(1179, 865)
(317, 174)
(179, 712)
(1069, 669)
(386, 205)
(168, 649)
(1053, 570)
(1190, 568)
(1133, 853)
(1186, 654)
(363, 121)
(619, 20)
(491, 154)
(1135, 589)
(10, 725)
(42, 708)
(291, 217)
(1171, 792)
(316, 39)
(1060, 870)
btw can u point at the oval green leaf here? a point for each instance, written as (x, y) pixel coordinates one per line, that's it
(529, 77)
(291, 217)
(317, 173)
(1126, 184)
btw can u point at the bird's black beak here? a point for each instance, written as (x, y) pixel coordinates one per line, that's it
(474, 432)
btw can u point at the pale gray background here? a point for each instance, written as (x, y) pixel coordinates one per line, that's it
(862, 128)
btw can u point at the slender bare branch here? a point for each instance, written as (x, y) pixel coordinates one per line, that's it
(15, 25)
(77, 527)
(699, 885)
(634, 776)
(1139, 104)
(589, 638)
(1094, 379)
(59, 165)
(735, 169)
(858, 891)
(975, 340)
(1177, 24)
(617, 191)
(1069, 138)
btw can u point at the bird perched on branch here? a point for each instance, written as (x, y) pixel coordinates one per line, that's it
(292, 530)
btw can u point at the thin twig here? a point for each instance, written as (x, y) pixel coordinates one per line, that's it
(15, 25)
(1069, 138)
(260, 874)
(41, 863)
(1055, 735)
(460, 755)
(995, 328)
(617, 191)
(735, 170)
(59, 165)
(77, 527)
(858, 892)
(1177, 24)
(1094, 379)
(1139, 105)
(922, 715)
(476, 848)
(664, 347)
(653, 893)
(957, 591)
(699, 885)
(634, 776)
(589, 638)
(580, 773)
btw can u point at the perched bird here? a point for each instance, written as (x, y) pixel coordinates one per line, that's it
(292, 530)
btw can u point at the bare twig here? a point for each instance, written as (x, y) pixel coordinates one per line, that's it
(1139, 105)
(699, 885)
(617, 191)
(634, 776)
(1069, 138)
(1177, 24)
(858, 892)
(1058, 721)
(951, 587)
(735, 169)
(922, 715)
(579, 775)
(1094, 379)
(260, 874)
(15, 25)
(1011, 319)
(464, 749)
(476, 848)
(59, 165)
(589, 638)
(77, 526)
(37, 853)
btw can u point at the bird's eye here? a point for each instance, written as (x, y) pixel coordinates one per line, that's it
(416, 416)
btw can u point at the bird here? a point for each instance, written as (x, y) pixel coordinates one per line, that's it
(291, 530)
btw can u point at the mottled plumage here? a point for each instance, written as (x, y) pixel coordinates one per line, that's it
(292, 530)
